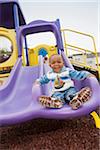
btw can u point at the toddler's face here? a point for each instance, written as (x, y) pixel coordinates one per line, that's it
(56, 63)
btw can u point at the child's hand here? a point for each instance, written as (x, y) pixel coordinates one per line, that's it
(36, 82)
(90, 75)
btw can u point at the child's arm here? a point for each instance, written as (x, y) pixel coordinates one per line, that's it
(79, 75)
(42, 80)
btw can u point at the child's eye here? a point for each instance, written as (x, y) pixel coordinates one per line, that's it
(53, 62)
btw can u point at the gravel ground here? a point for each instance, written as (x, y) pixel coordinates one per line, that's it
(44, 134)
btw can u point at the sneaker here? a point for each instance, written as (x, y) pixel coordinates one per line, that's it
(82, 96)
(50, 102)
(75, 103)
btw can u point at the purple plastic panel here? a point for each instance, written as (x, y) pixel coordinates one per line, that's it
(17, 105)
(66, 60)
(37, 27)
(6, 9)
(8, 86)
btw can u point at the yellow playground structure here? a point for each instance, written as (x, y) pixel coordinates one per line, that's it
(83, 52)
(46, 50)
(7, 60)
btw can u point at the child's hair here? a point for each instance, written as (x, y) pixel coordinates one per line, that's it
(54, 55)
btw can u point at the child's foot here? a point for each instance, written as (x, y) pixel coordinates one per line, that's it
(84, 94)
(81, 97)
(50, 102)
(75, 103)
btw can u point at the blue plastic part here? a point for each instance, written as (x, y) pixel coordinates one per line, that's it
(16, 17)
(16, 22)
(27, 60)
(59, 27)
(43, 52)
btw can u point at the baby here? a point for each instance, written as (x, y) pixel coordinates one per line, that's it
(64, 90)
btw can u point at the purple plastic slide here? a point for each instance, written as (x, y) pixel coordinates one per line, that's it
(17, 104)
(19, 101)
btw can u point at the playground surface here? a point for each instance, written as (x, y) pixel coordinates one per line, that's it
(45, 134)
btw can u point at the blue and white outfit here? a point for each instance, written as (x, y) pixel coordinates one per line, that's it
(68, 90)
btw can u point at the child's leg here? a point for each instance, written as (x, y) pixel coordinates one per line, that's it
(69, 95)
(59, 96)
(74, 98)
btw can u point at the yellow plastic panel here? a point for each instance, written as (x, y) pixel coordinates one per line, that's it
(33, 53)
(11, 35)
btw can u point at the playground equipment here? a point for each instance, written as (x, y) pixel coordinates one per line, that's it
(8, 29)
(83, 52)
(19, 102)
(45, 50)
(9, 63)
(10, 34)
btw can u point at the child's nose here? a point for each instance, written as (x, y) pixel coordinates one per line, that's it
(56, 63)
